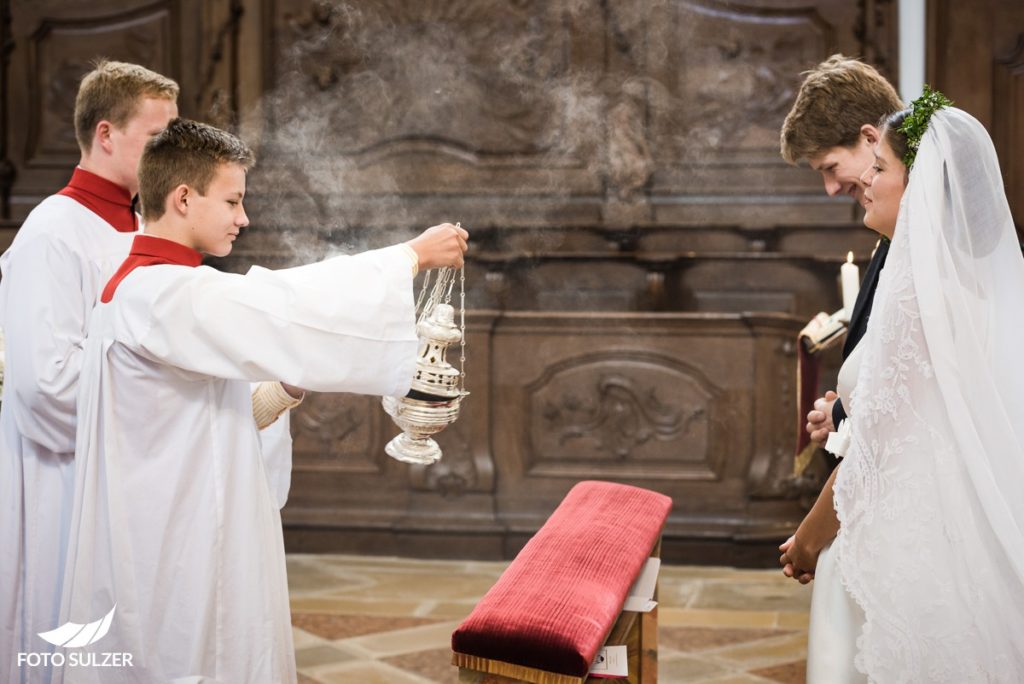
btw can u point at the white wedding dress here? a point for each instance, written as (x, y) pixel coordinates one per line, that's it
(836, 619)
(929, 495)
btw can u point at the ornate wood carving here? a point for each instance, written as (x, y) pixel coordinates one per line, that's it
(338, 432)
(743, 65)
(61, 51)
(617, 164)
(456, 473)
(448, 77)
(603, 411)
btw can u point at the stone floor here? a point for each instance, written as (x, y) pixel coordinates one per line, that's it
(369, 620)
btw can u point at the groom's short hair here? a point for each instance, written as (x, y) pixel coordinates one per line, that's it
(836, 98)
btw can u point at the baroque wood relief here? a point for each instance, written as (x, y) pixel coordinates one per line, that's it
(62, 51)
(742, 71)
(339, 432)
(616, 408)
(462, 78)
(641, 256)
(49, 45)
(456, 473)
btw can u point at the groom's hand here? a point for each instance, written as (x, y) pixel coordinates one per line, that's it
(819, 421)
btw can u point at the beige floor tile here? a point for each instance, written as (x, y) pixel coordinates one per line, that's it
(302, 638)
(332, 627)
(744, 678)
(768, 595)
(695, 571)
(765, 653)
(303, 578)
(700, 639)
(352, 606)
(677, 592)
(689, 669)
(788, 673)
(316, 656)
(405, 640)
(383, 564)
(720, 624)
(451, 610)
(421, 587)
(435, 665)
(368, 673)
(794, 621)
(718, 573)
(685, 617)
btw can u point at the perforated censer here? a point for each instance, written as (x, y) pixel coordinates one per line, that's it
(438, 388)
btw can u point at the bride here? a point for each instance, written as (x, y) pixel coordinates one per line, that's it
(924, 581)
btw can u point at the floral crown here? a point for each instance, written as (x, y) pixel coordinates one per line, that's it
(916, 122)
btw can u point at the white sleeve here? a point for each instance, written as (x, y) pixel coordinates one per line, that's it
(346, 324)
(276, 443)
(45, 316)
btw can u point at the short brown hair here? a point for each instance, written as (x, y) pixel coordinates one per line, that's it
(836, 98)
(185, 153)
(112, 92)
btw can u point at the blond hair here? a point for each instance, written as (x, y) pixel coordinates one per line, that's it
(836, 98)
(185, 153)
(112, 92)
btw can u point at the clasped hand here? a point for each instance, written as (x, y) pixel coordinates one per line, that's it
(796, 561)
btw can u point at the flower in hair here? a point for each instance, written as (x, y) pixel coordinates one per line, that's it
(916, 122)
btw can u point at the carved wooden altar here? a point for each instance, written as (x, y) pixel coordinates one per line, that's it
(642, 258)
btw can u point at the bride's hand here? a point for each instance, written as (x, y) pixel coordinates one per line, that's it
(791, 568)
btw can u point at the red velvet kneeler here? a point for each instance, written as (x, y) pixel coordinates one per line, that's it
(554, 606)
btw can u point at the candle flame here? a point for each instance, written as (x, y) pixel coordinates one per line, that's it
(849, 257)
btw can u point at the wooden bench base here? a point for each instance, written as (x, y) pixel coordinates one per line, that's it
(638, 631)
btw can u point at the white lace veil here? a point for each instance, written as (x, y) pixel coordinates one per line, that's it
(930, 496)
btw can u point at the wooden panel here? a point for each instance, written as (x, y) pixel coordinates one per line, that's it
(706, 362)
(1007, 133)
(342, 433)
(62, 51)
(615, 413)
(54, 46)
(536, 113)
(976, 57)
(642, 257)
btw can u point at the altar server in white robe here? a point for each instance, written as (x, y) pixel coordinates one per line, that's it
(174, 526)
(61, 257)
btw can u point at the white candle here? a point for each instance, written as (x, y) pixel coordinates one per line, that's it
(849, 278)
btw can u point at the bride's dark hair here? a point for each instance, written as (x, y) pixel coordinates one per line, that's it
(891, 133)
(905, 129)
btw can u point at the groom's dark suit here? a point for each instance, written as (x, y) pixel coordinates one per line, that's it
(859, 319)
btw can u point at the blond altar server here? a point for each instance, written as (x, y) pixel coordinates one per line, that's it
(62, 255)
(174, 527)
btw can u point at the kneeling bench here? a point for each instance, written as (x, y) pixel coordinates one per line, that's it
(559, 601)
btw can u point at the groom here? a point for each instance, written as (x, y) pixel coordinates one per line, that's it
(832, 126)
